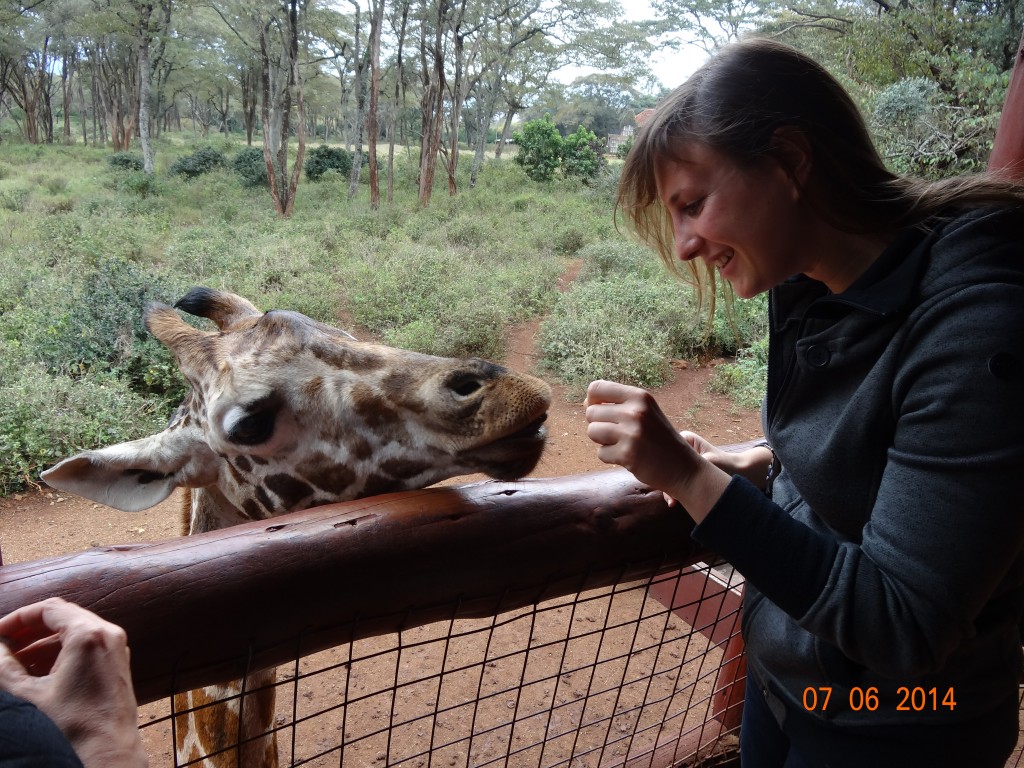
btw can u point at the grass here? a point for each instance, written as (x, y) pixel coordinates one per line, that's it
(83, 249)
(625, 318)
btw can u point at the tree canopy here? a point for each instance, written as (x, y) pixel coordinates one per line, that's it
(445, 75)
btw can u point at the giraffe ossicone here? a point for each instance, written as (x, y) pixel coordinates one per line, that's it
(285, 413)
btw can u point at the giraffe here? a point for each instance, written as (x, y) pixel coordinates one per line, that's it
(285, 413)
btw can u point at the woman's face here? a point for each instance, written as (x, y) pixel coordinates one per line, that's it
(746, 222)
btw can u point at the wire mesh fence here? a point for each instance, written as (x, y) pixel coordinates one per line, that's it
(541, 623)
(604, 677)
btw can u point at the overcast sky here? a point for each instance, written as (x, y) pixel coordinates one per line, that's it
(671, 67)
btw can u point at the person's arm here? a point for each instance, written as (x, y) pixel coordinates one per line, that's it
(74, 667)
(632, 432)
(944, 530)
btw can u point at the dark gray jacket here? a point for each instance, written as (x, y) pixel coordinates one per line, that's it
(890, 556)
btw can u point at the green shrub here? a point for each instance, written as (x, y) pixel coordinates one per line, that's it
(203, 160)
(737, 324)
(15, 200)
(125, 161)
(95, 325)
(626, 329)
(582, 154)
(446, 301)
(570, 239)
(608, 260)
(625, 317)
(746, 379)
(323, 158)
(46, 417)
(143, 184)
(250, 164)
(540, 148)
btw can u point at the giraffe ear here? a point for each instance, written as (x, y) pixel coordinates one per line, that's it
(137, 475)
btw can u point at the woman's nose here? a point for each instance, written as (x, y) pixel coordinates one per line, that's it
(688, 244)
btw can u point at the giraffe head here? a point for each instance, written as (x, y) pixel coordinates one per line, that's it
(286, 413)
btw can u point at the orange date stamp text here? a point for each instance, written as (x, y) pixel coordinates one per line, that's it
(908, 699)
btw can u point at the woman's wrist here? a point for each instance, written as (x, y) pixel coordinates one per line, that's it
(698, 491)
(756, 464)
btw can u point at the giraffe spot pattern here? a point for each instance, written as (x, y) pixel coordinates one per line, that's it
(290, 490)
(328, 476)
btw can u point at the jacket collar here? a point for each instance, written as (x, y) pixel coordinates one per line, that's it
(884, 289)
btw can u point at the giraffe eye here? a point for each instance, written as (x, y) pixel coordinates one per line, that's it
(464, 387)
(253, 429)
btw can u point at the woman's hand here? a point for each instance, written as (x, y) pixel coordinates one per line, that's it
(752, 463)
(74, 666)
(633, 432)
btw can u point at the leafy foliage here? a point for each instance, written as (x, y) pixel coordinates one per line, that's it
(447, 302)
(251, 166)
(746, 379)
(583, 154)
(625, 318)
(540, 149)
(203, 160)
(921, 132)
(45, 417)
(125, 161)
(321, 159)
(95, 324)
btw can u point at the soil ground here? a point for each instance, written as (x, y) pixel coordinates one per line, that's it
(44, 523)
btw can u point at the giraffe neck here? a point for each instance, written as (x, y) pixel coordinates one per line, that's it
(207, 509)
(211, 732)
(209, 723)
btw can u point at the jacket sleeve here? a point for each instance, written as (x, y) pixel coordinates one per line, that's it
(944, 540)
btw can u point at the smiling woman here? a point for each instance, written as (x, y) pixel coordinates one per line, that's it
(881, 556)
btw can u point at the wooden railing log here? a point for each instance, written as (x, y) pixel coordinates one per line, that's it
(311, 580)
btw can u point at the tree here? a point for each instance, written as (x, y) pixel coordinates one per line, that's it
(710, 24)
(583, 154)
(281, 84)
(376, 23)
(603, 103)
(540, 149)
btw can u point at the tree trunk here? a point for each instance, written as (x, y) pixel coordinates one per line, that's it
(376, 21)
(67, 77)
(144, 40)
(399, 100)
(432, 106)
(486, 115)
(278, 84)
(360, 85)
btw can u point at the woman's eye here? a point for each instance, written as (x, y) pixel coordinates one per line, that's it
(692, 209)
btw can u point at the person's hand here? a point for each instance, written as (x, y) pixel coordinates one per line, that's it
(633, 432)
(74, 667)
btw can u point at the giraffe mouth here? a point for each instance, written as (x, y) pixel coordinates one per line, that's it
(532, 430)
(514, 455)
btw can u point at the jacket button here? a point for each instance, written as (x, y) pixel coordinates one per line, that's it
(818, 355)
(1003, 365)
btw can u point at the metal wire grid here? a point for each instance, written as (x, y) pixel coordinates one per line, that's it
(600, 678)
(1017, 758)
